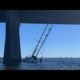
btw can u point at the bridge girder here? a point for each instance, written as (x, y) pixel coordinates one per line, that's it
(46, 16)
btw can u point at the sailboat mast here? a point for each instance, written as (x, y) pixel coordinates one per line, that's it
(44, 39)
(39, 40)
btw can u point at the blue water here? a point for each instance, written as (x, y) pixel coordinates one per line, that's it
(47, 64)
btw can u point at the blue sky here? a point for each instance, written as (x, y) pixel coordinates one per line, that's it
(63, 41)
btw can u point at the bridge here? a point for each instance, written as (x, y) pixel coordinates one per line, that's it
(13, 18)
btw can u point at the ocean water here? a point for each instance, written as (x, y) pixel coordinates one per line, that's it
(46, 64)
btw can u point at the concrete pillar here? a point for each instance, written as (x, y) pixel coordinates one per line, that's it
(12, 53)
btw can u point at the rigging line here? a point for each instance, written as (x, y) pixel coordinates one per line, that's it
(39, 40)
(45, 39)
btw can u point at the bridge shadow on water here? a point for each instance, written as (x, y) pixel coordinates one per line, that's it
(9, 66)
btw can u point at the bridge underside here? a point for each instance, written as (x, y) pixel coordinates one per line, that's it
(13, 18)
(46, 16)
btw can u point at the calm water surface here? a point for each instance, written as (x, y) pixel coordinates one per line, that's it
(47, 64)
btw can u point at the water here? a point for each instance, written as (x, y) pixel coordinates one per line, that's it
(47, 64)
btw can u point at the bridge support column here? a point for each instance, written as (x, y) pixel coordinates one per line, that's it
(12, 53)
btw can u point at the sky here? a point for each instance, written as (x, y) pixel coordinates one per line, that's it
(63, 41)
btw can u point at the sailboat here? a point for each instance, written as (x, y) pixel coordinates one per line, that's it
(34, 57)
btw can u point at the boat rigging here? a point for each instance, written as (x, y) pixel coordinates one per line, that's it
(36, 51)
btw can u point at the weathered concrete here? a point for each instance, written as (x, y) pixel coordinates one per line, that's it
(12, 53)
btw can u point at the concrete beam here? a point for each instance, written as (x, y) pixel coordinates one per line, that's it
(50, 16)
(46, 16)
(12, 53)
